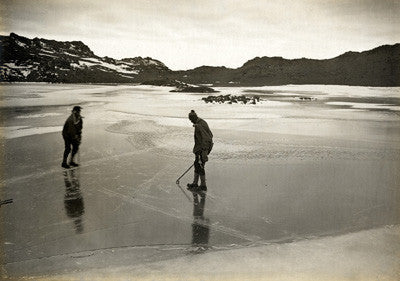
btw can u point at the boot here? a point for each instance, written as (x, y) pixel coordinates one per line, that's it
(65, 165)
(192, 186)
(203, 185)
(73, 164)
(195, 182)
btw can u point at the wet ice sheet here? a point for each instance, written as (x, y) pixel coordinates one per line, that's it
(38, 115)
(276, 174)
(22, 131)
(366, 105)
(301, 260)
(330, 90)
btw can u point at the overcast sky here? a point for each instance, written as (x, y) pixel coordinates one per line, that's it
(185, 34)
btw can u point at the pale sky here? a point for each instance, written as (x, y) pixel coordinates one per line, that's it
(185, 34)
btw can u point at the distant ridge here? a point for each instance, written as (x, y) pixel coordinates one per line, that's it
(42, 60)
(376, 67)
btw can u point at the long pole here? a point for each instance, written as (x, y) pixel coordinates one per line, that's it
(177, 181)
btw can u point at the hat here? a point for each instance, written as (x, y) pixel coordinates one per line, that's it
(77, 108)
(192, 114)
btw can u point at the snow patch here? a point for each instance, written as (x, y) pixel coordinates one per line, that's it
(118, 68)
(25, 72)
(150, 62)
(126, 76)
(75, 65)
(13, 65)
(47, 55)
(48, 51)
(92, 60)
(95, 62)
(19, 43)
(24, 69)
(69, 54)
(85, 63)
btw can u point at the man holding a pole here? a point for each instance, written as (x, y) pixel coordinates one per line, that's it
(202, 147)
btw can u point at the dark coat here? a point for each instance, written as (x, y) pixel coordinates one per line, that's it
(202, 137)
(72, 130)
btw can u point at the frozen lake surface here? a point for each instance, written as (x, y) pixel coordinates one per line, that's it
(307, 162)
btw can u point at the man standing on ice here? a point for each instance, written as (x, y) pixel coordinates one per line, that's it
(202, 147)
(72, 134)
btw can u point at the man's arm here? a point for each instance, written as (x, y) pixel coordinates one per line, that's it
(205, 141)
(79, 130)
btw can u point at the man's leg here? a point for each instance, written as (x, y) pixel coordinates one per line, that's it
(199, 169)
(195, 180)
(203, 185)
(202, 174)
(67, 150)
(75, 147)
(196, 173)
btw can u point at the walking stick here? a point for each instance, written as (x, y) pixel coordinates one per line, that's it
(177, 181)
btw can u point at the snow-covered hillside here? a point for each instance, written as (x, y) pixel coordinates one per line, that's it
(42, 60)
(24, 59)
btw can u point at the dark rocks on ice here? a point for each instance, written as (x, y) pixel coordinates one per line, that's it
(194, 89)
(307, 98)
(230, 99)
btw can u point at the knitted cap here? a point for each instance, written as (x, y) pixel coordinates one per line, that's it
(77, 108)
(192, 114)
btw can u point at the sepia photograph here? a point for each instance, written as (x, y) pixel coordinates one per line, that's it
(200, 140)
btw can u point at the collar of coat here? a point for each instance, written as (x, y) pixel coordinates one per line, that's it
(196, 123)
(76, 120)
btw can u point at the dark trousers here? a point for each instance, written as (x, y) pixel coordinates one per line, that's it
(199, 165)
(68, 144)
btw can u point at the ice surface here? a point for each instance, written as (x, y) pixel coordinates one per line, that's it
(22, 131)
(38, 115)
(291, 174)
(333, 90)
(366, 105)
(318, 259)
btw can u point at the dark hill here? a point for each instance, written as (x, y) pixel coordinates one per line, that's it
(42, 60)
(377, 67)
(24, 59)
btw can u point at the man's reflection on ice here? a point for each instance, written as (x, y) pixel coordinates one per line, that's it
(200, 225)
(73, 200)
